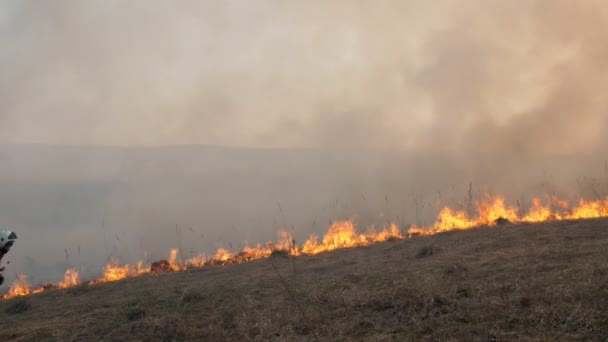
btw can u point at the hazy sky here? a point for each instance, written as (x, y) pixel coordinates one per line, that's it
(523, 75)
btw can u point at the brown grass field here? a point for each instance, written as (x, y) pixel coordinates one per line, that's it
(542, 282)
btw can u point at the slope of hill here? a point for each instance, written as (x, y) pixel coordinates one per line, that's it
(541, 282)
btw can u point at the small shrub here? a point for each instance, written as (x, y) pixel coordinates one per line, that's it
(228, 321)
(455, 270)
(361, 328)
(191, 296)
(18, 307)
(501, 221)
(426, 251)
(380, 305)
(524, 302)
(50, 286)
(167, 330)
(438, 301)
(134, 313)
(463, 292)
(160, 266)
(279, 253)
(133, 302)
(301, 329)
(491, 338)
(78, 290)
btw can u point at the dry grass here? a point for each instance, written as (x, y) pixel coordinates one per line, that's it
(545, 282)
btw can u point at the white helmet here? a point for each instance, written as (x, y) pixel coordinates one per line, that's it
(7, 238)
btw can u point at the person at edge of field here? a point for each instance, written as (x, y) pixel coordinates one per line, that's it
(7, 239)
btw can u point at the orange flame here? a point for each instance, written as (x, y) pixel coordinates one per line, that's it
(198, 261)
(172, 264)
(70, 278)
(20, 287)
(343, 234)
(589, 209)
(222, 255)
(113, 272)
(538, 212)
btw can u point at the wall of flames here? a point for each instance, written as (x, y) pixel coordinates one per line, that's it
(342, 234)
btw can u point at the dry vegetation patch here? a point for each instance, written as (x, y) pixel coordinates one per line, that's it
(542, 282)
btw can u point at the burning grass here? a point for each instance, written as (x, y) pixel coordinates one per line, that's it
(491, 211)
(533, 282)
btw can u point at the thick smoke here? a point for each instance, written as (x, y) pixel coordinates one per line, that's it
(372, 110)
(401, 74)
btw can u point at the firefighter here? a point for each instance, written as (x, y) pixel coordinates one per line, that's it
(7, 239)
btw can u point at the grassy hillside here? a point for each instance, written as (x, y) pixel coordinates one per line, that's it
(541, 282)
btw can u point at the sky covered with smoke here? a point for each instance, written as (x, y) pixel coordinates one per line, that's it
(524, 77)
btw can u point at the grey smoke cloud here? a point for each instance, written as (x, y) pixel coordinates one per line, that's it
(283, 74)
